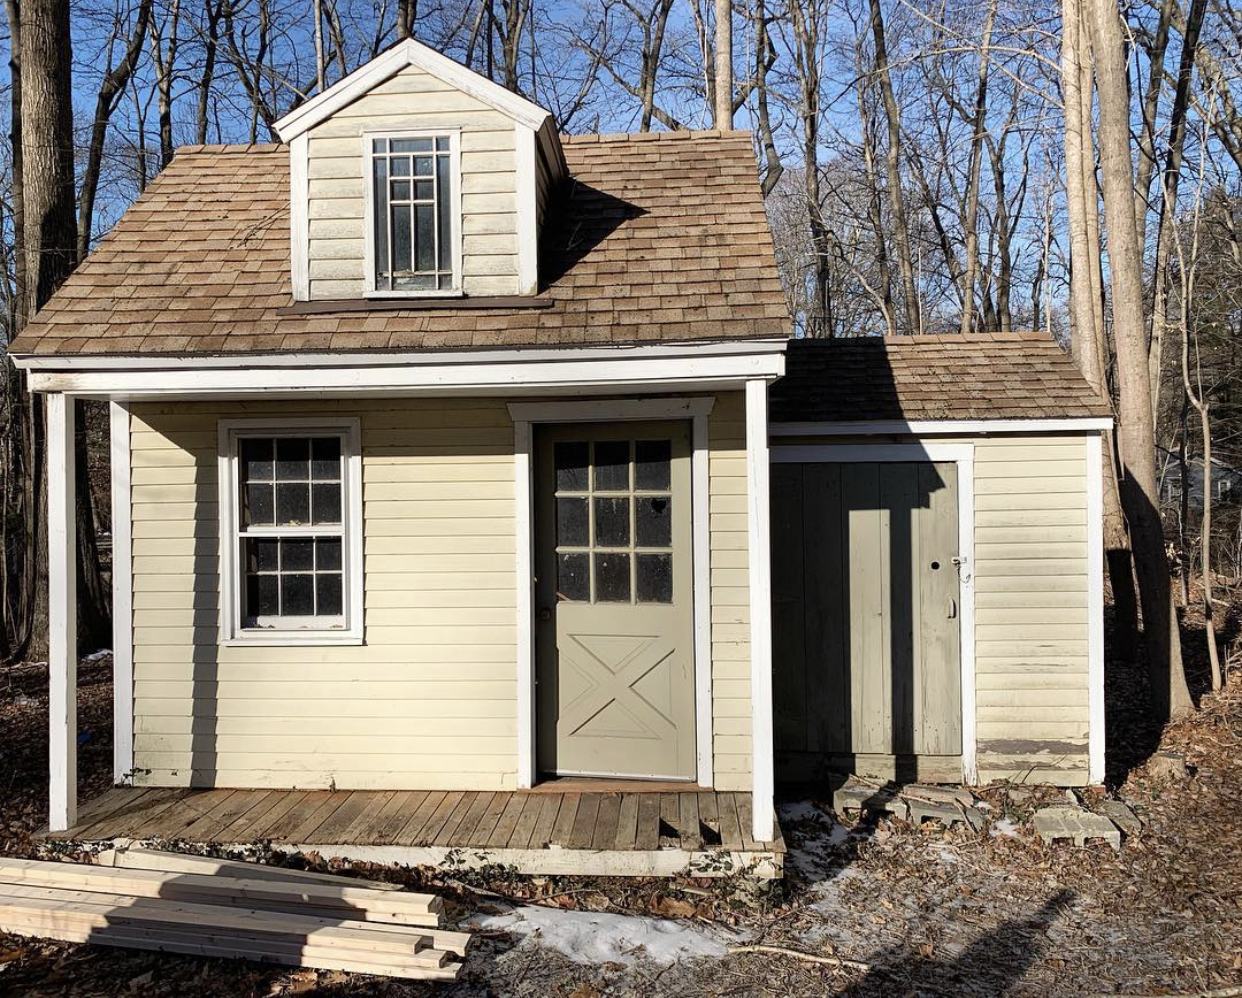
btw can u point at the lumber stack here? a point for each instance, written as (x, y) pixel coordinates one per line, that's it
(202, 906)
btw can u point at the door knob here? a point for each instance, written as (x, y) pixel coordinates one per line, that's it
(545, 613)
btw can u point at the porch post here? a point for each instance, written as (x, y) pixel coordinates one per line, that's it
(760, 579)
(62, 615)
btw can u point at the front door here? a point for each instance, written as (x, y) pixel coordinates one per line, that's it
(614, 601)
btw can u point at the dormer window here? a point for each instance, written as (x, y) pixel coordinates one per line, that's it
(413, 201)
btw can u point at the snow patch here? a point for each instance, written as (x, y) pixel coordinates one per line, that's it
(594, 937)
(1006, 828)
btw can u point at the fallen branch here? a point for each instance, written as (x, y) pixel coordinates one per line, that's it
(832, 961)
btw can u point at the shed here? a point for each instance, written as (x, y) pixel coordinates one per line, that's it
(937, 566)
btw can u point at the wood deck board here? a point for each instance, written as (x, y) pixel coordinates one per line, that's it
(689, 820)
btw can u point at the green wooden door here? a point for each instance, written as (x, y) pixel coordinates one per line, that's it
(866, 656)
(615, 636)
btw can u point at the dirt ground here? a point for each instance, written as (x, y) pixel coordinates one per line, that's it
(920, 911)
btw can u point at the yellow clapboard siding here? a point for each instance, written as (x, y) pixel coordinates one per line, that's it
(406, 711)
(337, 689)
(267, 779)
(322, 747)
(430, 723)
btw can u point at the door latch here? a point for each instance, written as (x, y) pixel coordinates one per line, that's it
(952, 608)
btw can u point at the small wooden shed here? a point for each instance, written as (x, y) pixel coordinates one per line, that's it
(937, 590)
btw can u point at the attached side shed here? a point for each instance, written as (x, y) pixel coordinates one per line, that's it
(937, 561)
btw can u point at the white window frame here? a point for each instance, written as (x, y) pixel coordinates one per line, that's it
(232, 629)
(368, 182)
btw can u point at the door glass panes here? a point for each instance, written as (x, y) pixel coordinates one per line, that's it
(614, 534)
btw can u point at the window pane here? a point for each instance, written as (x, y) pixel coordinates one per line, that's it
(655, 578)
(442, 143)
(327, 553)
(612, 522)
(443, 220)
(326, 458)
(379, 187)
(260, 507)
(612, 578)
(262, 555)
(571, 466)
(293, 503)
(653, 521)
(425, 244)
(400, 239)
(328, 595)
(256, 460)
(297, 554)
(612, 465)
(411, 145)
(652, 464)
(326, 502)
(379, 145)
(297, 595)
(422, 165)
(424, 190)
(400, 166)
(573, 577)
(293, 459)
(262, 596)
(401, 190)
(571, 523)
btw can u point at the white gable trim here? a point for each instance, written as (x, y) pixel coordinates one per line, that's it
(928, 427)
(385, 66)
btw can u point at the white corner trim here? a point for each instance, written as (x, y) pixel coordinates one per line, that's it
(700, 494)
(525, 416)
(759, 562)
(1095, 609)
(352, 534)
(917, 427)
(963, 455)
(62, 616)
(299, 217)
(610, 410)
(527, 222)
(387, 65)
(122, 598)
(524, 583)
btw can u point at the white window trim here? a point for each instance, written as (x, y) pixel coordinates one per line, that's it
(368, 216)
(232, 633)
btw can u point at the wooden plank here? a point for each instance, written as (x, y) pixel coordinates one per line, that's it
(745, 820)
(563, 829)
(411, 830)
(826, 643)
(789, 678)
(647, 836)
(131, 819)
(238, 830)
(211, 826)
(102, 807)
(363, 826)
(177, 862)
(307, 831)
(445, 835)
(549, 808)
(709, 816)
(478, 807)
(730, 829)
(525, 827)
(605, 833)
(487, 824)
(670, 813)
(507, 821)
(395, 814)
(171, 823)
(286, 805)
(584, 822)
(688, 826)
(332, 829)
(627, 822)
(440, 816)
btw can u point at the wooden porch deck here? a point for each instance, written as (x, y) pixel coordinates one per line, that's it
(644, 833)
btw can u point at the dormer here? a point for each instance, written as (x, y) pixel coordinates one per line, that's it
(415, 177)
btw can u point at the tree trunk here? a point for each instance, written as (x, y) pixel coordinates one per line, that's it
(978, 127)
(724, 64)
(1170, 693)
(896, 200)
(213, 9)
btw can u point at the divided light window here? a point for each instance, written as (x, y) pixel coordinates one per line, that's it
(292, 526)
(412, 198)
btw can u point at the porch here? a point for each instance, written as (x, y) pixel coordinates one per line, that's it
(568, 830)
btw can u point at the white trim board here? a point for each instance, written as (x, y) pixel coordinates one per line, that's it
(527, 222)
(387, 65)
(299, 217)
(525, 416)
(62, 616)
(1095, 609)
(942, 427)
(963, 455)
(122, 598)
(759, 579)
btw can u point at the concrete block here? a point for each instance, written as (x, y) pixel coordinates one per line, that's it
(1054, 823)
(861, 797)
(1121, 816)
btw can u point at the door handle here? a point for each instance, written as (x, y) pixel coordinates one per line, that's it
(952, 608)
(545, 613)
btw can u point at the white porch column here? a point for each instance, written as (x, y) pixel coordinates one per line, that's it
(760, 562)
(62, 616)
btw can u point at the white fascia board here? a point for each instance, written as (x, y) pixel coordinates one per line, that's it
(929, 427)
(385, 66)
(639, 368)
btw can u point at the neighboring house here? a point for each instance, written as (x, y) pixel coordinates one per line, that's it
(1226, 480)
(441, 460)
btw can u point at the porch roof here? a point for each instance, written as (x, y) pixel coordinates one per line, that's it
(655, 238)
(1020, 375)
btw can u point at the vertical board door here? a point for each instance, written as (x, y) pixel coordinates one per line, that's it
(615, 633)
(866, 602)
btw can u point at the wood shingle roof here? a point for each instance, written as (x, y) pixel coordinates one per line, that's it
(655, 237)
